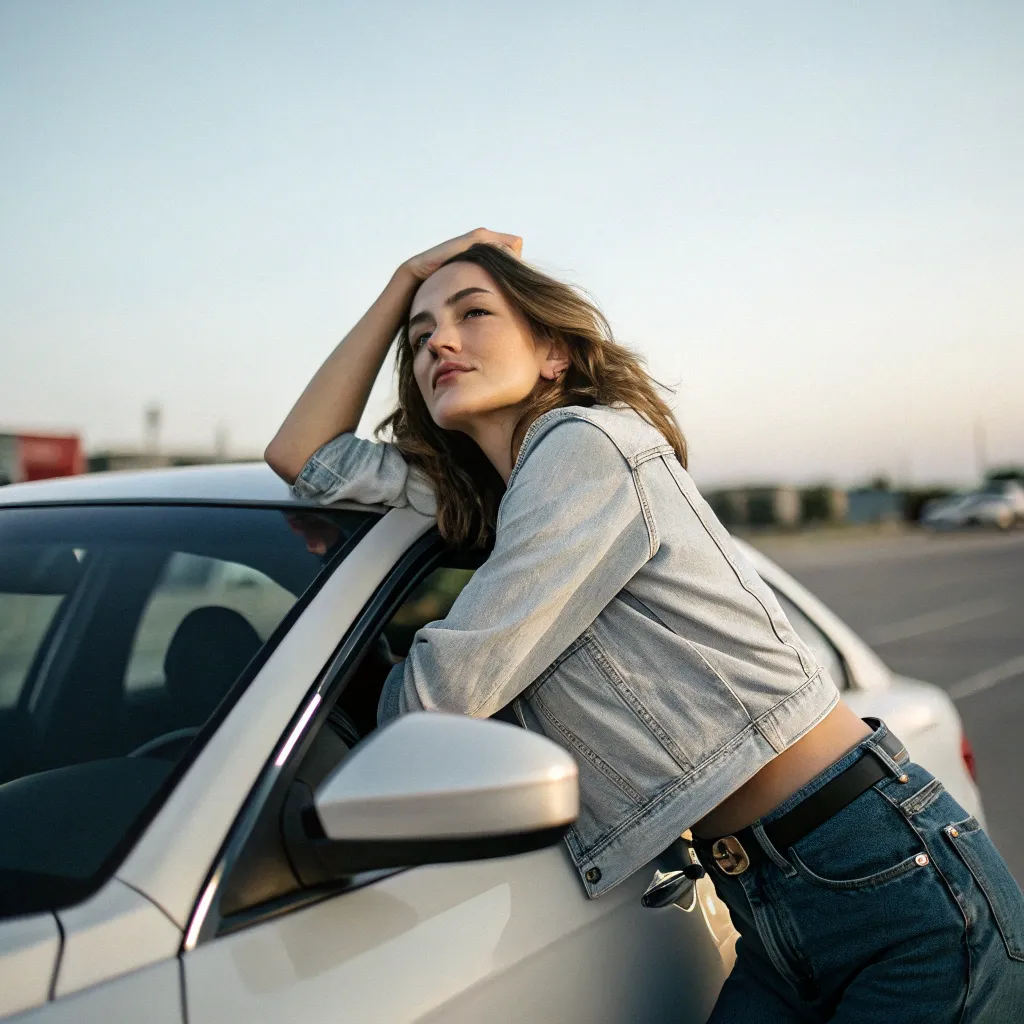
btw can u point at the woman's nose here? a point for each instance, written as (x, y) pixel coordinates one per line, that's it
(444, 339)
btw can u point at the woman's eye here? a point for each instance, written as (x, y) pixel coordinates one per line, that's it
(475, 311)
(420, 339)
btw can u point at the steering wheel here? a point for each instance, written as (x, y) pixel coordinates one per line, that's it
(164, 740)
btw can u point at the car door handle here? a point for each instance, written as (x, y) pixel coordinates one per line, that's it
(678, 870)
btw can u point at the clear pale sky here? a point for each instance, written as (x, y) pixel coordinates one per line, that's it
(808, 216)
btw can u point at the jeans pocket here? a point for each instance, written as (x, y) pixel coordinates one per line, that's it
(993, 878)
(865, 881)
(865, 844)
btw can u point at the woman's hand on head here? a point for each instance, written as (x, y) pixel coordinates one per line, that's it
(423, 265)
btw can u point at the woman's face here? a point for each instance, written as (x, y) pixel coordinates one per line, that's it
(460, 318)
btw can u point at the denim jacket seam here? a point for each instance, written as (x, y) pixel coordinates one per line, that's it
(576, 848)
(718, 675)
(635, 704)
(313, 462)
(548, 672)
(647, 454)
(554, 415)
(534, 684)
(652, 527)
(655, 617)
(725, 554)
(591, 755)
(814, 677)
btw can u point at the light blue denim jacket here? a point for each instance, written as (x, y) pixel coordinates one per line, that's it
(620, 618)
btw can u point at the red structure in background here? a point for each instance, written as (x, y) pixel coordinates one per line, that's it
(26, 457)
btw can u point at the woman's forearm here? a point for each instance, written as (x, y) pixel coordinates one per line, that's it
(333, 401)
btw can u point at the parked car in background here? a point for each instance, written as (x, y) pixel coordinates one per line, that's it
(999, 505)
(201, 821)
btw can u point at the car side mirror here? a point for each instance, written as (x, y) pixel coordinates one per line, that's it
(430, 788)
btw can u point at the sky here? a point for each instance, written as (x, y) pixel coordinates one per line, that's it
(807, 217)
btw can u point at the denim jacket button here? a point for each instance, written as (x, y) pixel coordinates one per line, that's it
(594, 875)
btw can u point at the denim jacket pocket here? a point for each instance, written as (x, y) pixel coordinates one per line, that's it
(993, 878)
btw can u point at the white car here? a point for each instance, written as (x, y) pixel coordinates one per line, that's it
(999, 504)
(187, 658)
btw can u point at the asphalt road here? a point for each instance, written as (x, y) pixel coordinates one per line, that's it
(948, 609)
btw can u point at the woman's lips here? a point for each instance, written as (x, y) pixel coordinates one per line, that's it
(447, 376)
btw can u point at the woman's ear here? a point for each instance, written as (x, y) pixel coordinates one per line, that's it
(556, 361)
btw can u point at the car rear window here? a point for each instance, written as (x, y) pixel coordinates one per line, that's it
(126, 633)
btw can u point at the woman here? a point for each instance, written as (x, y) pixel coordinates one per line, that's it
(617, 616)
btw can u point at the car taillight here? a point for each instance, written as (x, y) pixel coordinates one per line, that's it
(967, 753)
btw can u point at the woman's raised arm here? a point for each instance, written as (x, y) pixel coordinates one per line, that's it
(334, 400)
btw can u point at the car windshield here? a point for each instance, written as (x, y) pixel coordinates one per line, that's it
(126, 633)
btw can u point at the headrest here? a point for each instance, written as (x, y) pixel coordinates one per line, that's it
(206, 654)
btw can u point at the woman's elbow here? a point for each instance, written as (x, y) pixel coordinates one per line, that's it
(283, 461)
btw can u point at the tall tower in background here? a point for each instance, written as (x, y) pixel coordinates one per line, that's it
(152, 420)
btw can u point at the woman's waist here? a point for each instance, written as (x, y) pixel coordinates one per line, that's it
(833, 737)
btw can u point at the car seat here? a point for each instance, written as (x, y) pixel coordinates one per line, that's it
(206, 655)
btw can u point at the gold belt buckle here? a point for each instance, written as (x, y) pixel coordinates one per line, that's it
(730, 857)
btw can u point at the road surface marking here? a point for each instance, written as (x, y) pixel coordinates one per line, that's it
(986, 680)
(933, 621)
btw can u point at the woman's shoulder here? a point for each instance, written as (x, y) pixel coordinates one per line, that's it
(628, 431)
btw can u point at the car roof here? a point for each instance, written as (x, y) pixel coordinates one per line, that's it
(247, 483)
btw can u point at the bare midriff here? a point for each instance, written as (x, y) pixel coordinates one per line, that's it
(835, 735)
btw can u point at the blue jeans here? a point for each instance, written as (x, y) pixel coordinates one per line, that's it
(897, 908)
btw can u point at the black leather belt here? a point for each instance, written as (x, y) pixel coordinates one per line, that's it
(733, 854)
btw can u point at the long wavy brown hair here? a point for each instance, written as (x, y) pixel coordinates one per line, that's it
(601, 371)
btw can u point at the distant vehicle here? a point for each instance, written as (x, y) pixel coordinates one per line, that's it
(201, 821)
(999, 505)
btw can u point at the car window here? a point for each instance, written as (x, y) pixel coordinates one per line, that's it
(124, 632)
(24, 619)
(189, 582)
(820, 645)
(430, 600)
(29, 603)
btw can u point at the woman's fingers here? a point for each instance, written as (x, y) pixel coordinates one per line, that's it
(427, 262)
(513, 243)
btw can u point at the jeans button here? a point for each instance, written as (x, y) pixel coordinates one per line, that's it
(921, 860)
(593, 875)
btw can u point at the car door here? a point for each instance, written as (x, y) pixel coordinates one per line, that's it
(506, 939)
